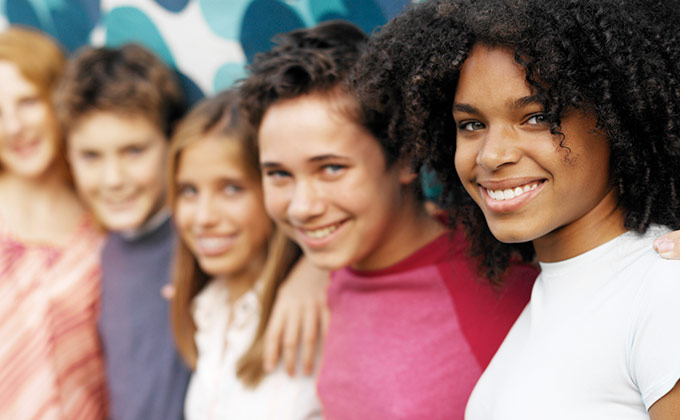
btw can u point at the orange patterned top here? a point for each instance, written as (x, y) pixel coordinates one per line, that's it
(51, 365)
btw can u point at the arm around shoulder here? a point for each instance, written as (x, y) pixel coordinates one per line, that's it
(299, 319)
(668, 245)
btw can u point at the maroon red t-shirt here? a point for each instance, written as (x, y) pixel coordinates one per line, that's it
(411, 340)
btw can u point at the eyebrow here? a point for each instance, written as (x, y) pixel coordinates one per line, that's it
(331, 156)
(524, 101)
(315, 159)
(518, 103)
(466, 108)
(269, 165)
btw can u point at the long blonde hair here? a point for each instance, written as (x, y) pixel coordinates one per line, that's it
(222, 115)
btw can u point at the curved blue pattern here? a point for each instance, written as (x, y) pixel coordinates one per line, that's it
(264, 19)
(22, 12)
(73, 22)
(222, 17)
(227, 75)
(252, 22)
(68, 21)
(192, 93)
(364, 13)
(118, 23)
(391, 8)
(322, 10)
(174, 6)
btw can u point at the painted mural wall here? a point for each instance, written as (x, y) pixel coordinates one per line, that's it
(209, 42)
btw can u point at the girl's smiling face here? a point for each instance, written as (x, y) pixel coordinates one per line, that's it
(29, 134)
(528, 186)
(219, 208)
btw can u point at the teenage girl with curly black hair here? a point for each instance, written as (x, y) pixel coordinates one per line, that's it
(563, 120)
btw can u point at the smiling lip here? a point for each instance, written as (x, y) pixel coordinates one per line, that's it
(25, 149)
(120, 205)
(213, 245)
(510, 195)
(321, 236)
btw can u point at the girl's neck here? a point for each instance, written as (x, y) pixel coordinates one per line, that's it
(31, 207)
(239, 283)
(600, 225)
(51, 183)
(412, 228)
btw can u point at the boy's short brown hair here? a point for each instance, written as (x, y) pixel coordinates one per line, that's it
(127, 80)
(304, 61)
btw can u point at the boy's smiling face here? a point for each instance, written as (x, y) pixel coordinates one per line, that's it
(118, 163)
(528, 186)
(326, 183)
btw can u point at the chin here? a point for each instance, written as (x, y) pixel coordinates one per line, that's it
(326, 262)
(120, 223)
(512, 235)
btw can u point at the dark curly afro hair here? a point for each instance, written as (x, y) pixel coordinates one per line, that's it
(619, 59)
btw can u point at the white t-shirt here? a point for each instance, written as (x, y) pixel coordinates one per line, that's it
(599, 339)
(215, 392)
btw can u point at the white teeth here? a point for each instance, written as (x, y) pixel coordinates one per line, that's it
(509, 193)
(321, 233)
(209, 243)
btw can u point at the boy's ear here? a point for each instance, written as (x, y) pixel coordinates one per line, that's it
(406, 171)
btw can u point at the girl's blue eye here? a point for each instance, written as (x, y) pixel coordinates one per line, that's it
(186, 191)
(333, 168)
(471, 126)
(89, 155)
(135, 150)
(277, 174)
(232, 189)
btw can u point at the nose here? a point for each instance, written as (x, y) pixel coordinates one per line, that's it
(206, 212)
(306, 203)
(499, 147)
(113, 173)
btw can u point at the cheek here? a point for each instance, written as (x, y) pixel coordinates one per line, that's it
(85, 176)
(149, 172)
(362, 190)
(39, 116)
(255, 220)
(463, 161)
(184, 215)
(275, 199)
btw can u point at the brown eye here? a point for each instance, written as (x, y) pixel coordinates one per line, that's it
(537, 119)
(471, 126)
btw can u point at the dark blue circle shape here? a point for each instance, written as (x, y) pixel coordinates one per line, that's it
(174, 6)
(21, 12)
(192, 93)
(262, 20)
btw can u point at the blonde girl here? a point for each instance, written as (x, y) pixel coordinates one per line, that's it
(229, 264)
